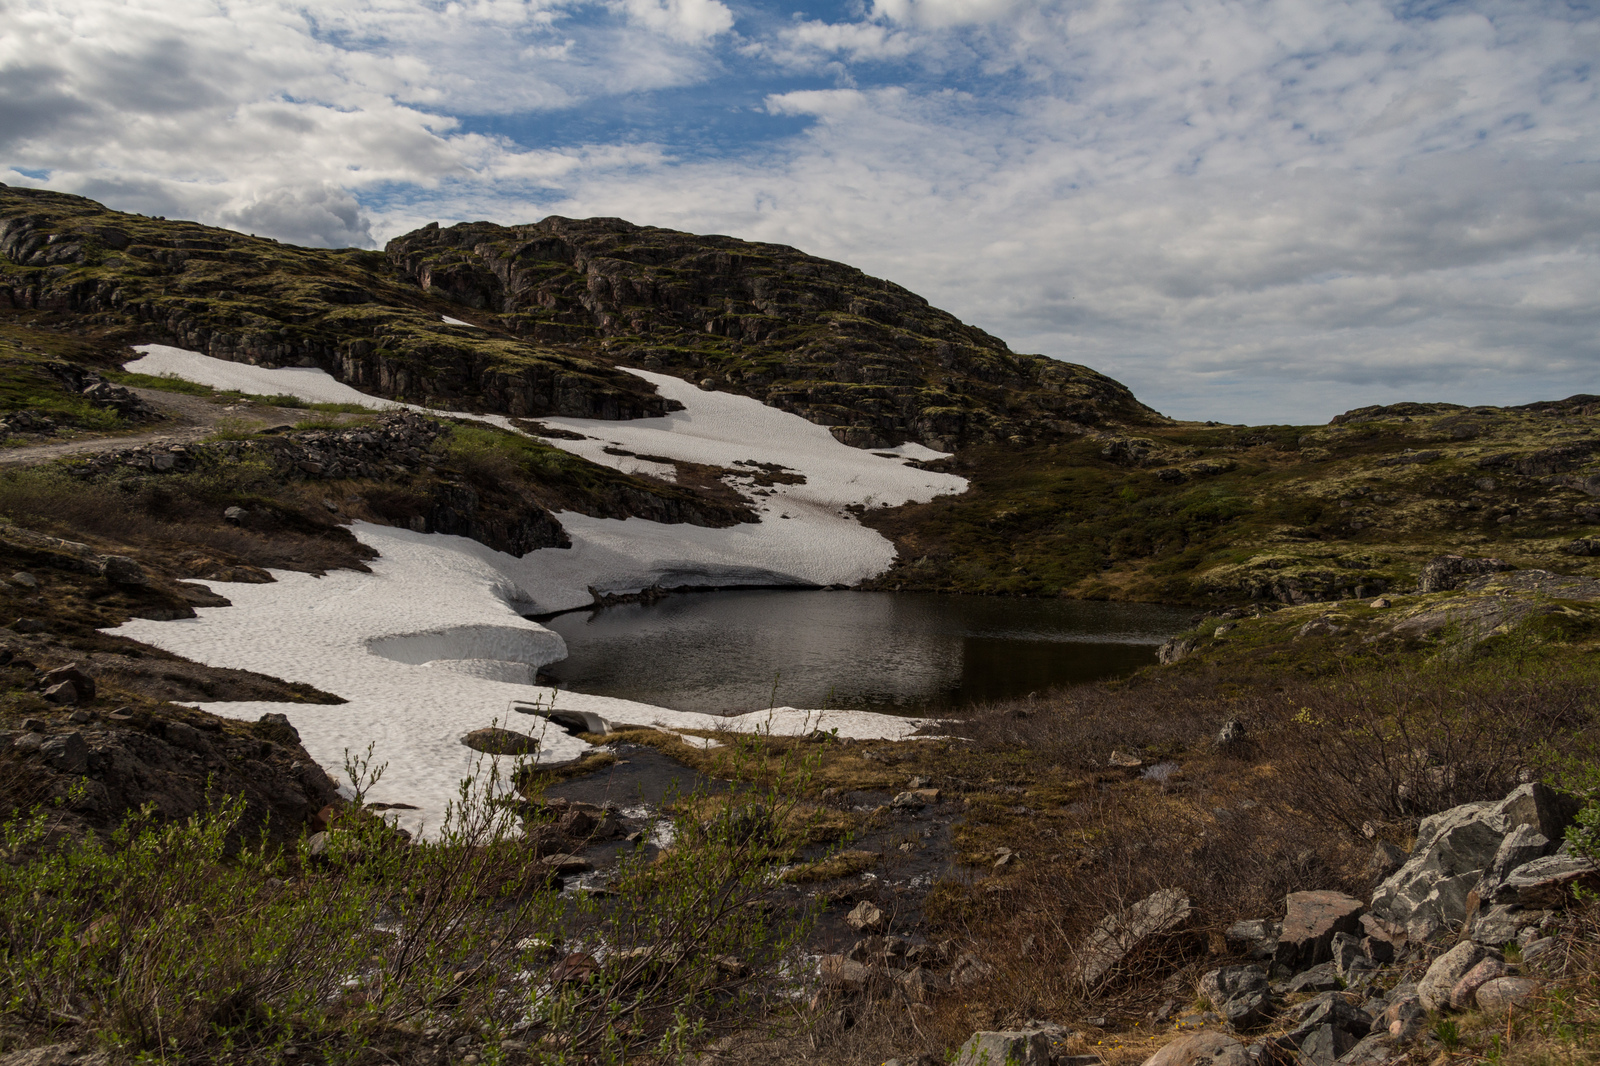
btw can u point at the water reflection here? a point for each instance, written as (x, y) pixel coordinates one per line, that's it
(719, 651)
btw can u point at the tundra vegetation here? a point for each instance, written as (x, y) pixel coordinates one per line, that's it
(1398, 618)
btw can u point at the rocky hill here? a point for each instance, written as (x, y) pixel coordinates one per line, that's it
(1274, 514)
(554, 306)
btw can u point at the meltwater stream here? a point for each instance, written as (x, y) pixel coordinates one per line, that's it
(733, 651)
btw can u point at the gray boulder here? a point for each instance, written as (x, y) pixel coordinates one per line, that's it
(67, 753)
(1454, 851)
(1240, 994)
(1503, 993)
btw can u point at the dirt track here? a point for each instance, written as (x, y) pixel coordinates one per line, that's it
(184, 419)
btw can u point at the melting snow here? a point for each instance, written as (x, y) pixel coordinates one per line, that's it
(432, 643)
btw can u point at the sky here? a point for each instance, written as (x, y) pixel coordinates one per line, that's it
(1263, 211)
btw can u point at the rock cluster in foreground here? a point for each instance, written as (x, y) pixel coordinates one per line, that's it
(1470, 909)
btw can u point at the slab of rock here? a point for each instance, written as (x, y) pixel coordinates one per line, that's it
(496, 741)
(1505, 993)
(1118, 935)
(1547, 882)
(1240, 994)
(1446, 971)
(1464, 996)
(82, 682)
(1021, 1047)
(1310, 922)
(1201, 1049)
(561, 863)
(1321, 978)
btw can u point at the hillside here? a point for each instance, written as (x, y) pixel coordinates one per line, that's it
(1281, 514)
(554, 306)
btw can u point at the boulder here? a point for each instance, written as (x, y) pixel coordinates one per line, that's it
(1464, 996)
(1240, 994)
(1501, 994)
(1119, 935)
(82, 682)
(121, 570)
(1311, 920)
(1322, 978)
(1444, 572)
(840, 974)
(1433, 991)
(496, 741)
(1374, 1049)
(1257, 937)
(1016, 1047)
(64, 693)
(1325, 1045)
(1201, 1049)
(1386, 859)
(919, 985)
(1521, 846)
(865, 918)
(1455, 849)
(67, 753)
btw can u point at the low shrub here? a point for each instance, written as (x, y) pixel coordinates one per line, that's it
(169, 939)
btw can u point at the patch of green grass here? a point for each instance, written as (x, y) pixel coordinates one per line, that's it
(163, 382)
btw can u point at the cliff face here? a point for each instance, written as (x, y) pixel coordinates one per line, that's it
(818, 338)
(557, 305)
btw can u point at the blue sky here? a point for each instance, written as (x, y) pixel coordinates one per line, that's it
(1258, 210)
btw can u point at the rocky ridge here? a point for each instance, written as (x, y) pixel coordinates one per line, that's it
(556, 305)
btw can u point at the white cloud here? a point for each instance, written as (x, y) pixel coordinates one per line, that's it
(1267, 209)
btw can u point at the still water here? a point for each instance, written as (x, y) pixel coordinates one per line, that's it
(734, 651)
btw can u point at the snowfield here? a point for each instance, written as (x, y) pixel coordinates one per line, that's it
(433, 643)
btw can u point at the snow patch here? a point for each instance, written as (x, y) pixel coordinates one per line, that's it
(431, 644)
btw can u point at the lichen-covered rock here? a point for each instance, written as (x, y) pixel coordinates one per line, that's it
(1020, 1047)
(1454, 850)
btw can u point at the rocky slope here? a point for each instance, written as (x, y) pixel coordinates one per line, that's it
(803, 334)
(557, 304)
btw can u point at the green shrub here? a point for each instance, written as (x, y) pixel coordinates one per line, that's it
(179, 939)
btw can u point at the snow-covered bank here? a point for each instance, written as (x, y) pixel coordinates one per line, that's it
(433, 644)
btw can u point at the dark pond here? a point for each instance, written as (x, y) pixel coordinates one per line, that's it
(733, 651)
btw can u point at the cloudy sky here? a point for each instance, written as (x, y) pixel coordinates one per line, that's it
(1248, 210)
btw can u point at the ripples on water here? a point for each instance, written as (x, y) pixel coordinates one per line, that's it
(718, 652)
